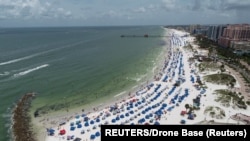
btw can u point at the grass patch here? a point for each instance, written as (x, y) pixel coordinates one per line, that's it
(215, 112)
(221, 78)
(208, 66)
(227, 97)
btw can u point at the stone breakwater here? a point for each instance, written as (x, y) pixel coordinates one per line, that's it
(21, 121)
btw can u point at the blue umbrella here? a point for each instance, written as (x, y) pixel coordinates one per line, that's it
(79, 126)
(72, 128)
(143, 112)
(151, 115)
(83, 115)
(117, 118)
(97, 134)
(156, 123)
(86, 124)
(92, 136)
(113, 120)
(131, 112)
(183, 121)
(164, 105)
(97, 120)
(147, 116)
(86, 119)
(142, 120)
(92, 122)
(127, 114)
(121, 116)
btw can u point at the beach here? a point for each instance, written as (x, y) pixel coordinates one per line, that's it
(171, 97)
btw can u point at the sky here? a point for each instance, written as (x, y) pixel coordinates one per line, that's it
(32, 13)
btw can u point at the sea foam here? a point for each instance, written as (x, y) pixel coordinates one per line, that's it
(30, 70)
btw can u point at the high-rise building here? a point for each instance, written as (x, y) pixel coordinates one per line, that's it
(236, 32)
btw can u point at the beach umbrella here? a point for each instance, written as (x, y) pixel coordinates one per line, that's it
(51, 131)
(122, 116)
(83, 115)
(97, 134)
(147, 116)
(143, 112)
(77, 117)
(117, 118)
(68, 137)
(97, 120)
(156, 123)
(72, 124)
(113, 120)
(183, 121)
(78, 122)
(151, 115)
(92, 137)
(86, 124)
(62, 132)
(128, 108)
(127, 114)
(164, 105)
(79, 126)
(131, 112)
(85, 118)
(142, 120)
(92, 122)
(72, 128)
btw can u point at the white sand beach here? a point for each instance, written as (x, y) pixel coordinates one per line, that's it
(162, 101)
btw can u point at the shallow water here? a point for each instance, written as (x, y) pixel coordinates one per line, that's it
(74, 66)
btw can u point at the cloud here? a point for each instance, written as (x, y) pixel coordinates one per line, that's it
(19, 9)
(220, 5)
(140, 10)
(169, 5)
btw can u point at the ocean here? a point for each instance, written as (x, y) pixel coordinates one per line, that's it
(72, 66)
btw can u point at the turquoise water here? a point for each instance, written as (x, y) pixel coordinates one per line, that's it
(71, 66)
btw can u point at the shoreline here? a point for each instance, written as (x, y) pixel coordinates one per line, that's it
(139, 94)
(63, 115)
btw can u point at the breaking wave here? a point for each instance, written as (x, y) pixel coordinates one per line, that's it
(30, 70)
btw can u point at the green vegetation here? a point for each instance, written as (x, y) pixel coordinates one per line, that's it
(215, 112)
(208, 66)
(221, 78)
(203, 42)
(246, 58)
(227, 97)
(188, 47)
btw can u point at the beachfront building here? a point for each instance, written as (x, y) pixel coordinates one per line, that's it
(214, 32)
(234, 33)
(240, 47)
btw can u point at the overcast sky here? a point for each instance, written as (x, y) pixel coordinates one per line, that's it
(122, 12)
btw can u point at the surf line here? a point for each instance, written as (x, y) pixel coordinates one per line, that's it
(30, 70)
